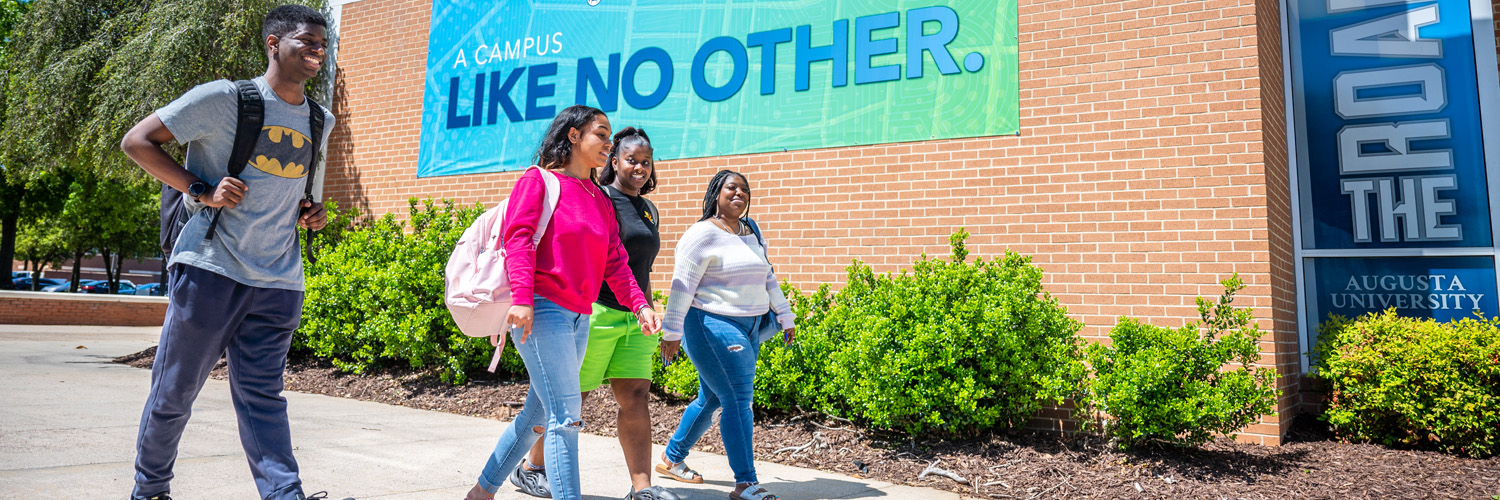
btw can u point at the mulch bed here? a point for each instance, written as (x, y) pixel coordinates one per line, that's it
(1017, 465)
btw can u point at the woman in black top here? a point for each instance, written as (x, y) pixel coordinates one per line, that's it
(617, 348)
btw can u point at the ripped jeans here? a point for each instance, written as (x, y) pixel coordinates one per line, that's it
(724, 350)
(552, 354)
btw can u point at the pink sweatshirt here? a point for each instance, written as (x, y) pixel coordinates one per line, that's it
(580, 249)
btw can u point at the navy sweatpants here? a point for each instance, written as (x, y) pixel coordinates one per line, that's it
(209, 316)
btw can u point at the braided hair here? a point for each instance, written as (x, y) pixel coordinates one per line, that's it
(716, 184)
(555, 149)
(632, 137)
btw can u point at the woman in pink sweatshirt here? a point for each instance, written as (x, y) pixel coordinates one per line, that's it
(553, 286)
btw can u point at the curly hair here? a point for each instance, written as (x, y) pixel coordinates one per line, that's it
(555, 149)
(711, 198)
(631, 136)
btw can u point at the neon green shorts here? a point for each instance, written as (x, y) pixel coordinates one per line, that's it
(616, 349)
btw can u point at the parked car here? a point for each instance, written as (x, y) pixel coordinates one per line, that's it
(25, 283)
(19, 274)
(126, 287)
(102, 286)
(60, 287)
(154, 289)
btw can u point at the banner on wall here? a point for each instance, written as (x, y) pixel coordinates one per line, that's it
(714, 78)
(1395, 169)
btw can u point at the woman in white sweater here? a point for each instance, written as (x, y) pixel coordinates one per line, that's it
(723, 293)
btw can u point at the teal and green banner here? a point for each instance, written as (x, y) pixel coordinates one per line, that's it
(715, 78)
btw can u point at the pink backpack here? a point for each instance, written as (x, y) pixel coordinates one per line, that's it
(477, 289)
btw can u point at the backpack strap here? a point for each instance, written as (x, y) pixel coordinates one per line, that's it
(549, 204)
(315, 125)
(248, 122)
(755, 228)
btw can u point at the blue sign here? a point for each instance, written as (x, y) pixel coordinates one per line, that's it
(1390, 123)
(715, 78)
(1441, 288)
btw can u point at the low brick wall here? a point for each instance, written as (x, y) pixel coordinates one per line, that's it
(42, 308)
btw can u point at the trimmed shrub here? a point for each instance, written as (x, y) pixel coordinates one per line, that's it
(1413, 382)
(951, 348)
(1155, 384)
(375, 296)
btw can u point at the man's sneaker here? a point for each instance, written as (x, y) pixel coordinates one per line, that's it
(652, 493)
(160, 496)
(531, 481)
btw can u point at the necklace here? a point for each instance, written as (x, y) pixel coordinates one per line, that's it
(725, 226)
(581, 183)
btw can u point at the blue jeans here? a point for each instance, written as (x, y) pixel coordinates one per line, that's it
(553, 354)
(724, 350)
(208, 316)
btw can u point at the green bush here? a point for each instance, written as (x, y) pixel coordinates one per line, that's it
(375, 296)
(1168, 385)
(681, 378)
(951, 348)
(1405, 381)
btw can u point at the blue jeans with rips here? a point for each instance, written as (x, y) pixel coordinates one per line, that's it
(553, 354)
(724, 350)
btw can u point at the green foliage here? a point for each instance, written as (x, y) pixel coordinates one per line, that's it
(1416, 382)
(681, 378)
(85, 71)
(113, 218)
(951, 348)
(375, 296)
(1156, 384)
(41, 245)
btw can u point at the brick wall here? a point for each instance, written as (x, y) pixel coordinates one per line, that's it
(39, 308)
(1151, 164)
(1278, 188)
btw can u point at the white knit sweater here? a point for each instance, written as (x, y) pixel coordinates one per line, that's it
(723, 274)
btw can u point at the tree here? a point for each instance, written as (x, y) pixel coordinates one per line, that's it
(80, 73)
(25, 198)
(41, 244)
(13, 196)
(109, 218)
(88, 70)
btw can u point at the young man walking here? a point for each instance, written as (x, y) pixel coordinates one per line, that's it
(235, 273)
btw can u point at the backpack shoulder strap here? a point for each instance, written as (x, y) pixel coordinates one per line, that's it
(315, 126)
(549, 203)
(754, 228)
(248, 121)
(252, 114)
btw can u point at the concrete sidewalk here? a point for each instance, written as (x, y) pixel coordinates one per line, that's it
(69, 417)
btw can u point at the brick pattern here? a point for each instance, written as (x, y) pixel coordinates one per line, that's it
(1278, 188)
(36, 308)
(1145, 171)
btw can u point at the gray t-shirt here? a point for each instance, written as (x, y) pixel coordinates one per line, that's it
(256, 241)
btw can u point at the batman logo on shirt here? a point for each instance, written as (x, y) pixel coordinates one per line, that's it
(281, 149)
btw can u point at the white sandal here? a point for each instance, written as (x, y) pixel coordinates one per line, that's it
(679, 471)
(754, 492)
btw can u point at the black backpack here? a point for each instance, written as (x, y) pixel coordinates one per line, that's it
(252, 114)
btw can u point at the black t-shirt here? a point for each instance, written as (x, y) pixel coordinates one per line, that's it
(642, 240)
